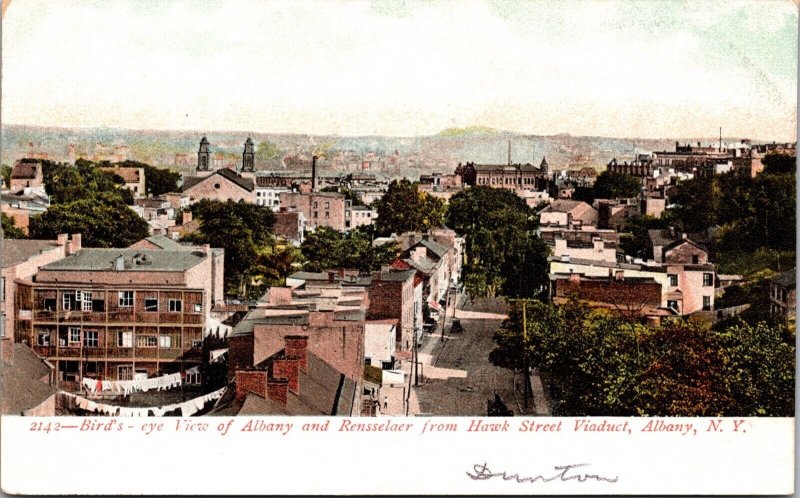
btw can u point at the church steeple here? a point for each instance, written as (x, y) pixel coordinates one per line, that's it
(203, 155)
(544, 167)
(249, 156)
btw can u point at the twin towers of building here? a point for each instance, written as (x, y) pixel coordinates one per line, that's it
(248, 156)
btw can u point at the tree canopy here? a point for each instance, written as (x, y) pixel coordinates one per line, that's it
(611, 185)
(10, 228)
(244, 230)
(267, 151)
(65, 183)
(597, 364)
(326, 248)
(5, 173)
(404, 208)
(102, 219)
(503, 253)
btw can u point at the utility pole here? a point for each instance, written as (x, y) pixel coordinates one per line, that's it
(525, 356)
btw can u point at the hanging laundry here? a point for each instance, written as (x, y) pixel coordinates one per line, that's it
(187, 408)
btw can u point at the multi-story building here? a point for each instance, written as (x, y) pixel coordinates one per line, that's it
(26, 173)
(391, 296)
(509, 176)
(120, 313)
(685, 288)
(20, 259)
(269, 195)
(566, 214)
(220, 185)
(359, 216)
(633, 297)
(133, 177)
(321, 209)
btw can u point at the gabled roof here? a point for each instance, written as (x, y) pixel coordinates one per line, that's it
(167, 244)
(786, 279)
(675, 243)
(227, 173)
(438, 249)
(130, 175)
(25, 170)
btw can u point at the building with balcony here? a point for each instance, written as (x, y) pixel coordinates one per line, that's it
(120, 314)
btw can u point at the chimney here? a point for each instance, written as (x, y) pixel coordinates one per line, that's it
(75, 244)
(684, 236)
(62, 239)
(278, 390)
(313, 174)
(280, 295)
(599, 245)
(186, 217)
(619, 275)
(297, 349)
(7, 347)
(289, 370)
(119, 263)
(250, 381)
(575, 278)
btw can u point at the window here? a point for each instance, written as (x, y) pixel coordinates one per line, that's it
(706, 303)
(165, 341)
(314, 205)
(672, 304)
(708, 279)
(146, 341)
(86, 301)
(198, 307)
(126, 299)
(216, 185)
(695, 259)
(673, 280)
(327, 215)
(43, 339)
(151, 304)
(90, 339)
(98, 305)
(368, 361)
(68, 301)
(327, 205)
(193, 378)
(125, 372)
(175, 306)
(124, 339)
(316, 214)
(197, 344)
(74, 335)
(49, 304)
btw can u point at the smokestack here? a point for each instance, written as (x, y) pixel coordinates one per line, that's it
(313, 174)
(509, 152)
(720, 139)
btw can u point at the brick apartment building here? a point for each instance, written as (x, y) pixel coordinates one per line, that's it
(320, 209)
(120, 313)
(391, 296)
(630, 296)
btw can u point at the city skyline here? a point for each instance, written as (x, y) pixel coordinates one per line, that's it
(406, 69)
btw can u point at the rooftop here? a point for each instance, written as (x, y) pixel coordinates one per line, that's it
(16, 251)
(134, 260)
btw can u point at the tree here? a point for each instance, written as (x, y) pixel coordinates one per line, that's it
(244, 230)
(405, 209)
(611, 185)
(103, 221)
(326, 248)
(5, 172)
(779, 163)
(503, 253)
(65, 183)
(10, 229)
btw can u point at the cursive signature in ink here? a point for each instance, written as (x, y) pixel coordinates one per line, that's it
(482, 473)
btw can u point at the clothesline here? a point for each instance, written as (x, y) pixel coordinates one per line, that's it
(188, 408)
(131, 386)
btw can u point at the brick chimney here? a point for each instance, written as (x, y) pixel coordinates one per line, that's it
(288, 369)
(280, 295)
(575, 278)
(619, 275)
(75, 244)
(250, 381)
(62, 239)
(186, 217)
(278, 390)
(297, 349)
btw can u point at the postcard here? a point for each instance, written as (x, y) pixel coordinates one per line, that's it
(403, 247)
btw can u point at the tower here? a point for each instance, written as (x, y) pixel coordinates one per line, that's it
(248, 156)
(544, 167)
(203, 155)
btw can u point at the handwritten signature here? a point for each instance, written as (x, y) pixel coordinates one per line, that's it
(483, 473)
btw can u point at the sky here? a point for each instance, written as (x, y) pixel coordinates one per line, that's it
(603, 68)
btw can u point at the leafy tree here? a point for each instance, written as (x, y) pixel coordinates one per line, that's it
(10, 229)
(779, 163)
(504, 255)
(65, 183)
(635, 241)
(5, 172)
(611, 185)
(405, 209)
(267, 151)
(103, 220)
(326, 248)
(244, 230)
(698, 201)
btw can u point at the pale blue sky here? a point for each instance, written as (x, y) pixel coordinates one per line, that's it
(634, 68)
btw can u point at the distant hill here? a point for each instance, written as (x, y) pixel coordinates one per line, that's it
(389, 156)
